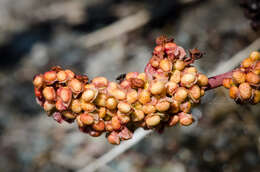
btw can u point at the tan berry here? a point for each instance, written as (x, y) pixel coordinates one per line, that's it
(101, 99)
(202, 92)
(142, 76)
(170, 46)
(239, 77)
(165, 65)
(256, 96)
(131, 75)
(70, 74)
(50, 77)
(155, 61)
(68, 115)
(157, 87)
(179, 65)
(171, 87)
(255, 55)
(108, 126)
(62, 76)
(185, 119)
(76, 106)
(49, 93)
(245, 91)
(89, 95)
(86, 119)
(95, 133)
(185, 107)
(192, 70)
(100, 81)
(89, 107)
(148, 108)
(60, 105)
(113, 138)
(124, 107)
(188, 79)
(175, 107)
(131, 96)
(233, 92)
(38, 81)
(227, 82)
(124, 119)
(252, 78)
(99, 126)
(136, 83)
(116, 124)
(137, 115)
(194, 92)
(153, 120)
(181, 94)
(102, 112)
(176, 76)
(247, 62)
(118, 94)
(144, 96)
(174, 120)
(75, 85)
(48, 106)
(65, 94)
(111, 103)
(162, 106)
(203, 80)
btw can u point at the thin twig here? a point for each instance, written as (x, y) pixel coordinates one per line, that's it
(140, 134)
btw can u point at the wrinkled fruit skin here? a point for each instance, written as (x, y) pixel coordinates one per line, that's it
(161, 96)
(244, 85)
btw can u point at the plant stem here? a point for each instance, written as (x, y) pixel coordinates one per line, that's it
(216, 81)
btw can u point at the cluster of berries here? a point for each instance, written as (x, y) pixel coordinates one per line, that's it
(252, 12)
(161, 96)
(244, 84)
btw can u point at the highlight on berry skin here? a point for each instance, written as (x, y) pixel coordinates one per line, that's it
(162, 96)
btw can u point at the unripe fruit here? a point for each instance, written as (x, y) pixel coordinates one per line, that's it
(88, 95)
(49, 93)
(111, 103)
(245, 91)
(179, 65)
(124, 107)
(76, 106)
(165, 65)
(62, 76)
(152, 121)
(131, 96)
(255, 55)
(239, 77)
(144, 97)
(86, 119)
(162, 106)
(181, 94)
(185, 119)
(188, 79)
(203, 80)
(100, 81)
(116, 124)
(233, 92)
(157, 87)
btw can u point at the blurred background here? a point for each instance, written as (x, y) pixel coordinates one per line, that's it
(107, 38)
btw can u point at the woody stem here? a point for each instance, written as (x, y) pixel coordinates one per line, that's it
(216, 81)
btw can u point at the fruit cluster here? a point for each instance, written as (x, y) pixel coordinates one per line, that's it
(244, 84)
(161, 96)
(252, 12)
